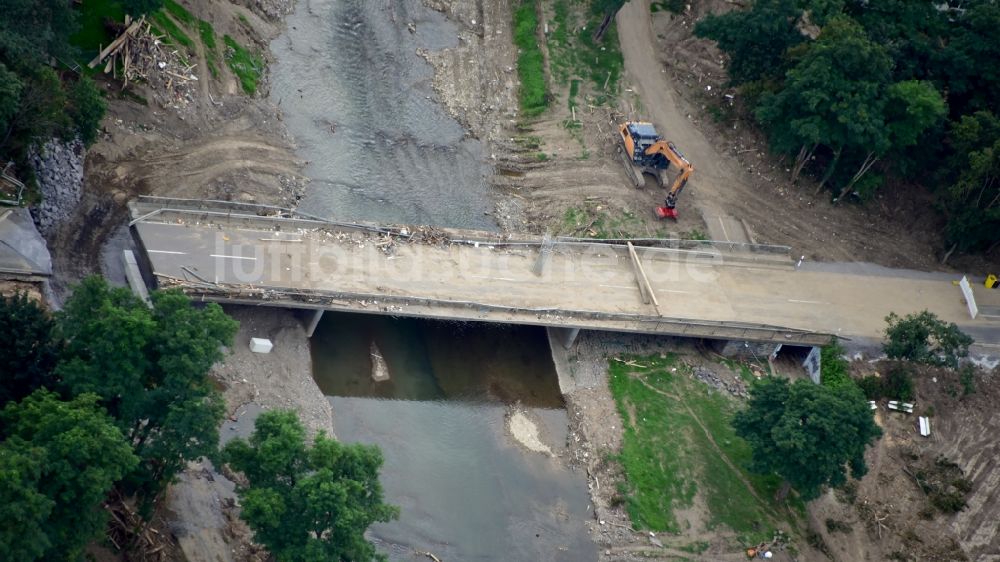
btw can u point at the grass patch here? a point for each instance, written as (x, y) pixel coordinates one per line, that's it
(678, 443)
(207, 35)
(574, 54)
(594, 220)
(179, 12)
(530, 64)
(91, 34)
(245, 65)
(174, 33)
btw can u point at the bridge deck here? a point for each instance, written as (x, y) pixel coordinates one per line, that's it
(468, 276)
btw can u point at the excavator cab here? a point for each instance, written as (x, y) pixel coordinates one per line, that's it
(644, 151)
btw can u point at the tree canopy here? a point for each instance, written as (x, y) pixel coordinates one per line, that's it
(58, 461)
(807, 434)
(308, 503)
(38, 102)
(924, 338)
(149, 366)
(28, 355)
(887, 86)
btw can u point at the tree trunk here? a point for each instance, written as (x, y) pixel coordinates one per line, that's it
(870, 161)
(830, 169)
(801, 160)
(603, 28)
(947, 254)
(782, 492)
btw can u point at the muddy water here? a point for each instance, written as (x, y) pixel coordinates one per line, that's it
(467, 491)
(358, 100)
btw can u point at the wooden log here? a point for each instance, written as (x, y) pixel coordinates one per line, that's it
(645, 288)
(114, 45)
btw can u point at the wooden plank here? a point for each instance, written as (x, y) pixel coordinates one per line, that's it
(114, 45)
(645, 288)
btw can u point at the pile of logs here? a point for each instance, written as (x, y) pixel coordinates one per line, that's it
(139, 54)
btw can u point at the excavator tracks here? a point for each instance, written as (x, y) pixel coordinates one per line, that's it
(634, 172)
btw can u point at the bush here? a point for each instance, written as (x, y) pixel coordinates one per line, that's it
(898, 383)
(834, 368)
(872, 387)
(923, 338)
(87, 107)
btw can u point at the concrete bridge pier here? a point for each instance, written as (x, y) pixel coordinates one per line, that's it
(314, 319)
(565, 336)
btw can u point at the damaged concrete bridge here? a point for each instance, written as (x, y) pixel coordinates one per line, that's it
(257, 255)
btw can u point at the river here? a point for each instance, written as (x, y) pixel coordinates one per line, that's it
(358, 101)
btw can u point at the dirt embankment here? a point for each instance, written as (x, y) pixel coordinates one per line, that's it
(205, 140)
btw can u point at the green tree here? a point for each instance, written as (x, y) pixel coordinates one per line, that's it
(10, 97)
(807, 434)
(924, 338)
(137, 8)
(832, 97)
(30, 349)
(911, 108)
(306, 503)
(32, 30)
(756, 39)
(149, 366)
(87, 107)
(971, 196)
(58, 461)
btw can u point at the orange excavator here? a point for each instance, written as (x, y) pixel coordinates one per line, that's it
(644, 152)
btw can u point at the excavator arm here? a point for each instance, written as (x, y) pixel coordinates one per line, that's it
(667, 150)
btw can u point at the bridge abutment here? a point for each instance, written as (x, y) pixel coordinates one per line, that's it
(746, 349)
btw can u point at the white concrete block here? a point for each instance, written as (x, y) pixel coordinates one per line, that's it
(261, 345)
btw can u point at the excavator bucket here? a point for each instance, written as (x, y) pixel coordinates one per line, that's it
(665, 213)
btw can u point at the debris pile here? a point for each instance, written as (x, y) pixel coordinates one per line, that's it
(140, 55)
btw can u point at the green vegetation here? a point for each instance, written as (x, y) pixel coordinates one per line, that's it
(179, 13)
(308, 503)
(207, 34)
(245, 65)
(860, 99)
(574, 53)
(597, 221)
(807, 434)
(530, 63)
(58, 461)
(131, 378)
(91, 33)
(37, 102)
(173, 31)
(672, 6)
(896, 384)
(923, 338)
(834, 369)
(679, 443)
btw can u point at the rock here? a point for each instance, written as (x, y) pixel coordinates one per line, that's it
(58, 168)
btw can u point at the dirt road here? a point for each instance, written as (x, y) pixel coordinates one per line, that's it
(715, 179)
